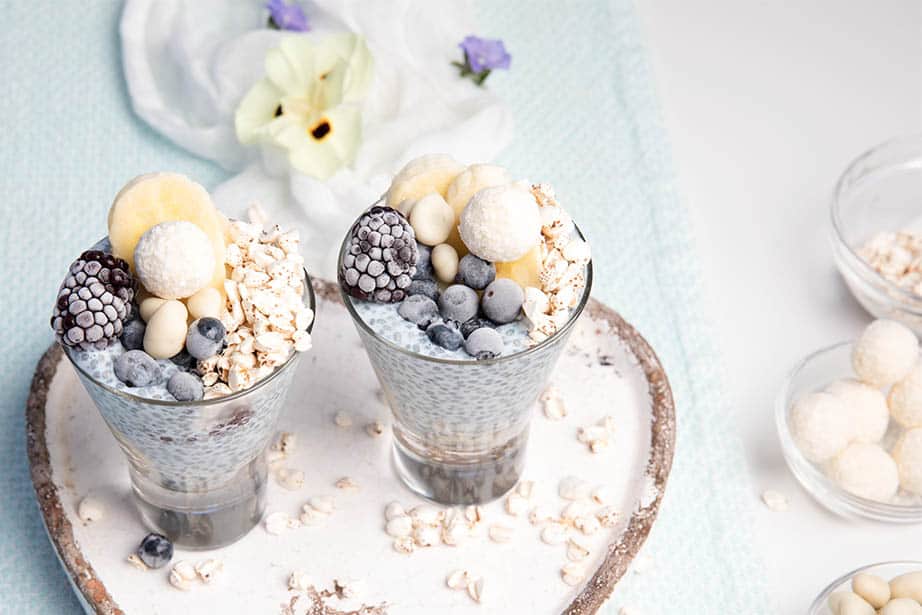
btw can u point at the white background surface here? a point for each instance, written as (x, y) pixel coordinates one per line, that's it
(765, 104)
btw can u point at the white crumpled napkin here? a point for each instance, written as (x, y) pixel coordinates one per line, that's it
(189, 62)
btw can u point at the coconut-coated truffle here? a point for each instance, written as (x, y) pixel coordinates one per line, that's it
(905, 399)
(866, 406)
(865, 470)
(884, 353)
(501, 223)
(820, 426)
(174, 260)
(908, 456)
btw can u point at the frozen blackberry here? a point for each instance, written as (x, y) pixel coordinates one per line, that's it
(94, 301)
(380, 261)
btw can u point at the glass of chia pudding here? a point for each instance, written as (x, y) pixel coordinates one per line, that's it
(185, 328)
(464, 286)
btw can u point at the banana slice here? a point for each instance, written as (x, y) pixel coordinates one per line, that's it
(422, 176)
(472, 179)
(150, 199)
(525, 270)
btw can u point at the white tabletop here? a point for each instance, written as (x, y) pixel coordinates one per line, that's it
(765, 104)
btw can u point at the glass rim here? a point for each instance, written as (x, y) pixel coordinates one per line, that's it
(290, 361)
(791, 452)
(574, 316)
(820, 601)
(838, 196)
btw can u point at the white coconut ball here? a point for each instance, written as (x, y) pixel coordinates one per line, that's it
(820, 424)
(884, 353)
(908, 456)
(866, 470)
(866, 406)
(174, 260)
(500, 224)
(905, 399)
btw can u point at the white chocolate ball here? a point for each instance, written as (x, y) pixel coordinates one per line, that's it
(908, 456)
(174, 260)
(165, 335)
(205, 303)
(148, 306)
(872, 588)
(884, 353)
(470, 181)
(445, 263)
(820, 426)
(902, 606)
(866, 406)
(432, 219)
(848, 603)
(905, 399)
(500, 224)
(907, 585)
(866, 470)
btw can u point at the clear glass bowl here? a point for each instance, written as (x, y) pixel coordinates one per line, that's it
(460, 425)
(881, 191)
(198, 472)
(885, 570)
(813, 374)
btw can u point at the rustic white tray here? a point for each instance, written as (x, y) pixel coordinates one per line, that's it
(608, 369)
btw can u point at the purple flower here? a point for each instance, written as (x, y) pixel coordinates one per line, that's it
(287, 16)
(484, 54)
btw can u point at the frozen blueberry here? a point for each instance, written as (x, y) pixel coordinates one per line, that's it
(133, 334)
(184, 360)
(502, 301)
(473, 324)
(458, 302)
(136, 368)
(420, 310)
(205, 337)
(428, 288)
(155, 550)
(423, 263)
(185, 386)
(475, 272)
(445, 334)
(484, 343)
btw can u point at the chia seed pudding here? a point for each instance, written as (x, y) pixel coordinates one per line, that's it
(463, 285)
(185, 328)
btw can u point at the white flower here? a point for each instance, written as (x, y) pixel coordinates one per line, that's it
(308, 102)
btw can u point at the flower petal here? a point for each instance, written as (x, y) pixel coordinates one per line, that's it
(256, 110)
(321, 158)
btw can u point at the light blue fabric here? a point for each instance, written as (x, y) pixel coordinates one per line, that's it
(587, 121)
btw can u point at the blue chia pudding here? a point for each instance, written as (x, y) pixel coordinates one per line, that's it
(464, 263)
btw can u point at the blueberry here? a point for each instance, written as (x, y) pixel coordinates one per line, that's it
(423, 263)
(420, 310)
(133, 334)
(458, 302)
(136, 368)
(484, 343)
(184, 360)
(502, 301)
(185, 386)
(473, 324)
(475, 272)
(155, 550)
(428, 288)
(445, 334)
(205, 337)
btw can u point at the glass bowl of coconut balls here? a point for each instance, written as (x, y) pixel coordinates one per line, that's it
(849, 419)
